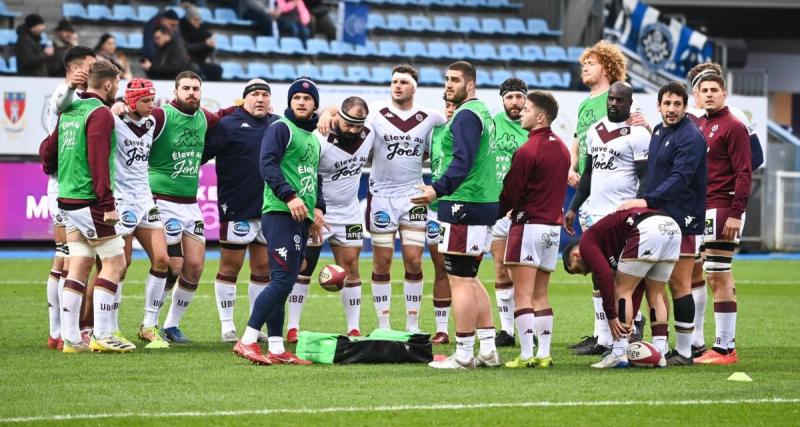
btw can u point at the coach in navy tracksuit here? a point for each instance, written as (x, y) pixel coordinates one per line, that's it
(236, 145)
(676, 184)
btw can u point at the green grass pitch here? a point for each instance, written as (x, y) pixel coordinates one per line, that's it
(205, 384)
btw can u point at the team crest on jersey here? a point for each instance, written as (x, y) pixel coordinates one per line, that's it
(90, 234)
(296, 238)
(172, 227)
(128, 219)
(433, 230)
(199, 228)
(354, 232)
(241, 228)
(714, 128)
(418, 213)
(419, 117)
(153, 215)
(381, 219)
(623, 131)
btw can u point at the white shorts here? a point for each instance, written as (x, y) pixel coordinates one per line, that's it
(463, 239)
(134, 215)
(89, 222)
(241, 233)
(56, 214)
(181, 218)
(386, 214)
(433, 229)
(533, 245)
(656, 238)
(587, 220)
(347, 235)
(660, 271)
(715, 223)
(500, 228)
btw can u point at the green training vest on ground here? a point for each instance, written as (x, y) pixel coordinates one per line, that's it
(437, 167)
(175, 156)
(74, 176)
(508, 137)
(480, 185)
(300, 165)
(591, 111)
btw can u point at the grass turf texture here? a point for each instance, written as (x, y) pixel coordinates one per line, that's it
(204, 380)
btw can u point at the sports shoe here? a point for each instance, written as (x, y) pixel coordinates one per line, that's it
(55, 343)
(612, 361)
(175, 335)
(230, 336)
(153, 337)
(585, 341)
(109, 344)
(698, 350)
(441, 338)
(291, 335)
(675, 359)
(518, 362)
(638, 332)
(126, 342)
(713, 357)
(79, 347)
(251, 352)
(354, 333)
(491, 360)
(503, 339)
(544, 362)
(287, 358)
(453, 363)
(86, 336)
(590, 350)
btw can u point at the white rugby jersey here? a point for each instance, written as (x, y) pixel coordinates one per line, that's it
(134, 140)
(340, 168)
(737, 112)
(614, 147)
(401, 139)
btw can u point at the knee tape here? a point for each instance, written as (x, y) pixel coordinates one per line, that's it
(413, 237)
(62, 250)
(111, 247)
(81, 249)
(683, 308)
(717, 263)
(461, 265)
(384, 240)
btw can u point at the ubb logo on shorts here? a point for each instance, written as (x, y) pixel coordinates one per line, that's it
(128, 219)
(432, 229)
(172, 227)
(241, 228)
(381, 219)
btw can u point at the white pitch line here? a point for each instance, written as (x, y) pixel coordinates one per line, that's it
(397, 408)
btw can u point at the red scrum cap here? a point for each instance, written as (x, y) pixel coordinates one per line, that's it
(137, 89)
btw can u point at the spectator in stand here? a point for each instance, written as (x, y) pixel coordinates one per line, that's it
(257, 11)
(170, 58)
(31, 56)
(66, 38)
(199, 42)
(168, 18)
(321, 21)
(293, 19)
(107, 49)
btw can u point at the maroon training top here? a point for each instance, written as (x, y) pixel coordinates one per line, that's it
(99, 129)
(536, 184)
(729, 161)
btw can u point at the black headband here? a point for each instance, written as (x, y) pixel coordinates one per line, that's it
(255, 86)
(352, 120)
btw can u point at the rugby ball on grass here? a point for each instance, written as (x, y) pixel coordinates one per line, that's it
(331, 277)
(644, 355)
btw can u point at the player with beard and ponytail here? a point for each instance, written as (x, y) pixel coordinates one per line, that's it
(509, 136)
(343, 153)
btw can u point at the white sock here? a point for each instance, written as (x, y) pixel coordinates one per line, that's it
(351, 301)
(413, 295)
(53, 306)
(181, 297)
(153, 297)
(441, 311)
(486, 340)
(601, 329)
(61, 292)
(296, 300)
(250, 336)
(103, 308)
(700, 296)
(526, 326)
(725, 327)
(225, 293)
(660, 343)
(465, 347)
(253, 290)
(639, 316)
(619, 346)
(544, 330)
(276, 345)
(683, 343)
(505, 309)
(115, 308)
(71, 299)
(382, 297)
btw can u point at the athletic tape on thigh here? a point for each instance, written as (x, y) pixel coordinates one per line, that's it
(111, 247)
(383, 240)
(720, 246)
(717, 263)
(413, 237)
(461, 265)
(62, 250)
(81, 249)
(175, 250)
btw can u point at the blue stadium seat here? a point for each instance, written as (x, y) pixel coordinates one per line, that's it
(207, 16)
(420, 23)
(283, 71)
(381, 75)
(462, 50)
(370, 50)
(309, 70)
(375, 22)
(438, 50)
(509, 52)
(503, 4)
(4, 12)
(146, 12)
(400, 2)
(555, 54)
(318, 47)
(516, 26)
(415, 50)
(539, 27)
(124, 12)
(469, 24)
(3, 66)
(259, 70)
(430, 76)
(485, 51)
(397, 22)
(266, 44)
(291, 46)
(226, 15)
(232, 71)
(3, 38)
(492, 26)
(358, 74)
(73, 10)
(389, 49)
(121, 39)
(99, 12)
(444, 24)
(338, 48)
(12, 65)
(574, 53)
(529, 77)
(242, 43)
(332, 73)
(532, 53)
(473, 3)
(223, 43)
(8, 37)
(483, 78)
(499, 76)
(552, 79)
(135, 40)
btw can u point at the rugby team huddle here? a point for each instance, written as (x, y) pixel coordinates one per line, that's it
(656, 206)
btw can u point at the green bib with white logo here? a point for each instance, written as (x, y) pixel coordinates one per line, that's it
(175, 156)
(508, 137)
